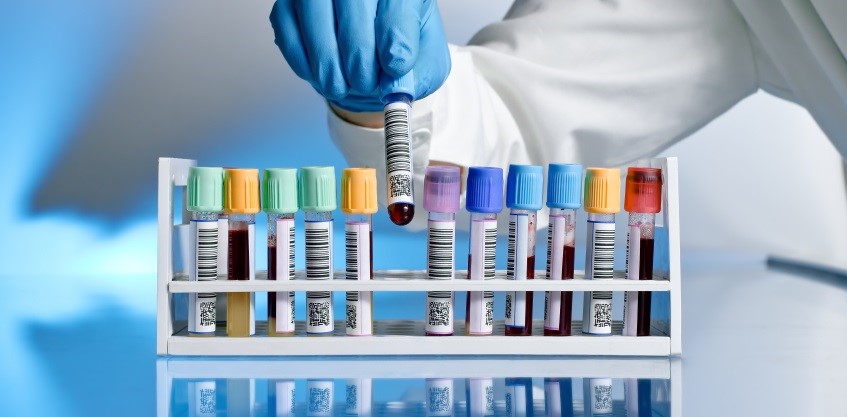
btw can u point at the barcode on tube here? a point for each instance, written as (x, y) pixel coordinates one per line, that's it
(602, 248)
(549, 246)
(398, 151)
(440, 250)
(351, 245)
(291, 251)
(490, 248)
(510, 259)
(318, 250)
(207, 251)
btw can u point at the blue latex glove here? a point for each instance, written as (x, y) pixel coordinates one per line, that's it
(341, 46)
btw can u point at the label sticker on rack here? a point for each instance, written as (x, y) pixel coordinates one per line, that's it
(633, 260)
(357, 244)
(439, 312)
(285, 401)
(319, 312)
(398, 152)
(439, 249)
(319, 250)
(600, 256)
(516, 268)
(320, 398)
(439, 397)
(203, 266)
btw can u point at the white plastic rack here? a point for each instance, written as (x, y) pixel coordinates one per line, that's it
(405, 337)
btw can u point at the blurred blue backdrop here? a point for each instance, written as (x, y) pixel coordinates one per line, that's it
(92, 92)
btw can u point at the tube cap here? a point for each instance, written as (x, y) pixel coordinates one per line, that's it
(643, 190)
(564, 186)
(358, 191)
(403, 85)
(484, 190)
(241, 191)
(317, 189)
(441, 189)
(603, 190)
(279, 191)
(205, 189)
(525, 187)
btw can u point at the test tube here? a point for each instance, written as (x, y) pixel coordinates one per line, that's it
(318, 200)
(205, 202)
(484, 199)
(241, 204)
(643, 199)
(279, 200)
(602, 201)
(519, 397)
(558, 396)
(397, 96)
(441, 200)
(564, 187)
(358, 203)
(439, 397)
(524, 193)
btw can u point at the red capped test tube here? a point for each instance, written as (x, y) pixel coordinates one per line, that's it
(643, 199)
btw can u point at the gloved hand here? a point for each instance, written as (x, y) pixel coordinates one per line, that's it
(341, 46)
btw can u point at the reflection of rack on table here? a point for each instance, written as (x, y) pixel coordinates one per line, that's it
(471, 383)
(395, 337)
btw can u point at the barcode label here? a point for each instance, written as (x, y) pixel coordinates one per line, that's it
(285, 272)
(319, 250)
(481, 312)
(516, 268)
(600, 256)
(439, 249)
(597, 312)
(439, 397)
(205, 398)
(398, 152)
(439, 312)
(358, 309)
(285, 401)
(203, 267)
(320, 398)
(555, 259)
(481, 396)
(357, 244)
(633, 260)
(319, 312)
(358, 397)
(483, 249)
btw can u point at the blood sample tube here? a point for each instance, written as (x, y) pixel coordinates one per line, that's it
(241, 204)
(597, 396)
(602, 201)
(441, 200)
(281, 399)
(205, 202)
(397, 96)
(359, 396)
(318, 200)
(279, 200)
(564, 194)
(519, 397)
(358, 203)
(524, 193)
(484, 200)
(642, 199)
(439, 397)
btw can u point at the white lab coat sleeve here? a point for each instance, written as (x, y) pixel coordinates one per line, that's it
(799, 48)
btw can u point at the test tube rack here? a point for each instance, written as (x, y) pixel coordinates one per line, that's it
(406, 337)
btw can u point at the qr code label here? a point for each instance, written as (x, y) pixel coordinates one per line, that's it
(319, 315)
(320, 401)
(440, 313)
(602, 314)
(439, 399)
(352, 315)
(400, 185)
(489, 312)
(207, 313)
